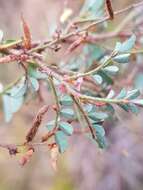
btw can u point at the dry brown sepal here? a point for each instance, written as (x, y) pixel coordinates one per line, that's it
(54, 157)
(26, 158)
(110, 9)
(36, 123)
(26, 34)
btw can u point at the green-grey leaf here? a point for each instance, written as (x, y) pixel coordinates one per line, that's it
(101, 141)
(99, 129)
(92, 8)
(133, 108)
(61, 140)
(11, 105)
(98, 79)
(138, 102)
(66, 100)
(123, 58)
(33, 72)
(66, 128)
(111, 69)
(88, 107)
(16, 103)
(118, 46)
(127, 45)
(109, 108)
(125, 107)
(67, 113)
(18, 90)
(98, 116)
(50, 125)
(100, 136)
(129, 107)
(132, 94)
(7, 108)
(106, 77)
(34, 83)
(122, 94)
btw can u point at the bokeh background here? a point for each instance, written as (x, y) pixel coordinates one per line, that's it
(83, 166)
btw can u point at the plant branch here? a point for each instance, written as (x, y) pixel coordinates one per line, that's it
(92, 71)
(118, 12)
(85, 116)
(83, 30)
(49, 71)
(57, 109)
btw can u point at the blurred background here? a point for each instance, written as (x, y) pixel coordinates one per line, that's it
(119, 167)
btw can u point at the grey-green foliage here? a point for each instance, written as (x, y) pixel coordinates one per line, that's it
(61, 140)
(92, 9)
(88, 114)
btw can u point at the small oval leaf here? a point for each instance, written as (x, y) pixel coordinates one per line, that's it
(66, 100)
(98, 79)
(122, 94)
(132, 94)
(124, 58)
(127, 45)
(99, 129)
(66, 128)
(61, 140)
(111, 69)
(98, 116)
(34, 83)
(67, 113)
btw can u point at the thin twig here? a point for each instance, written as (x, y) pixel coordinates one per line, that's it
(49, 71)
(84, 29)
(118, 12)
(85, 116)
(57, 109)
(92, 71)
